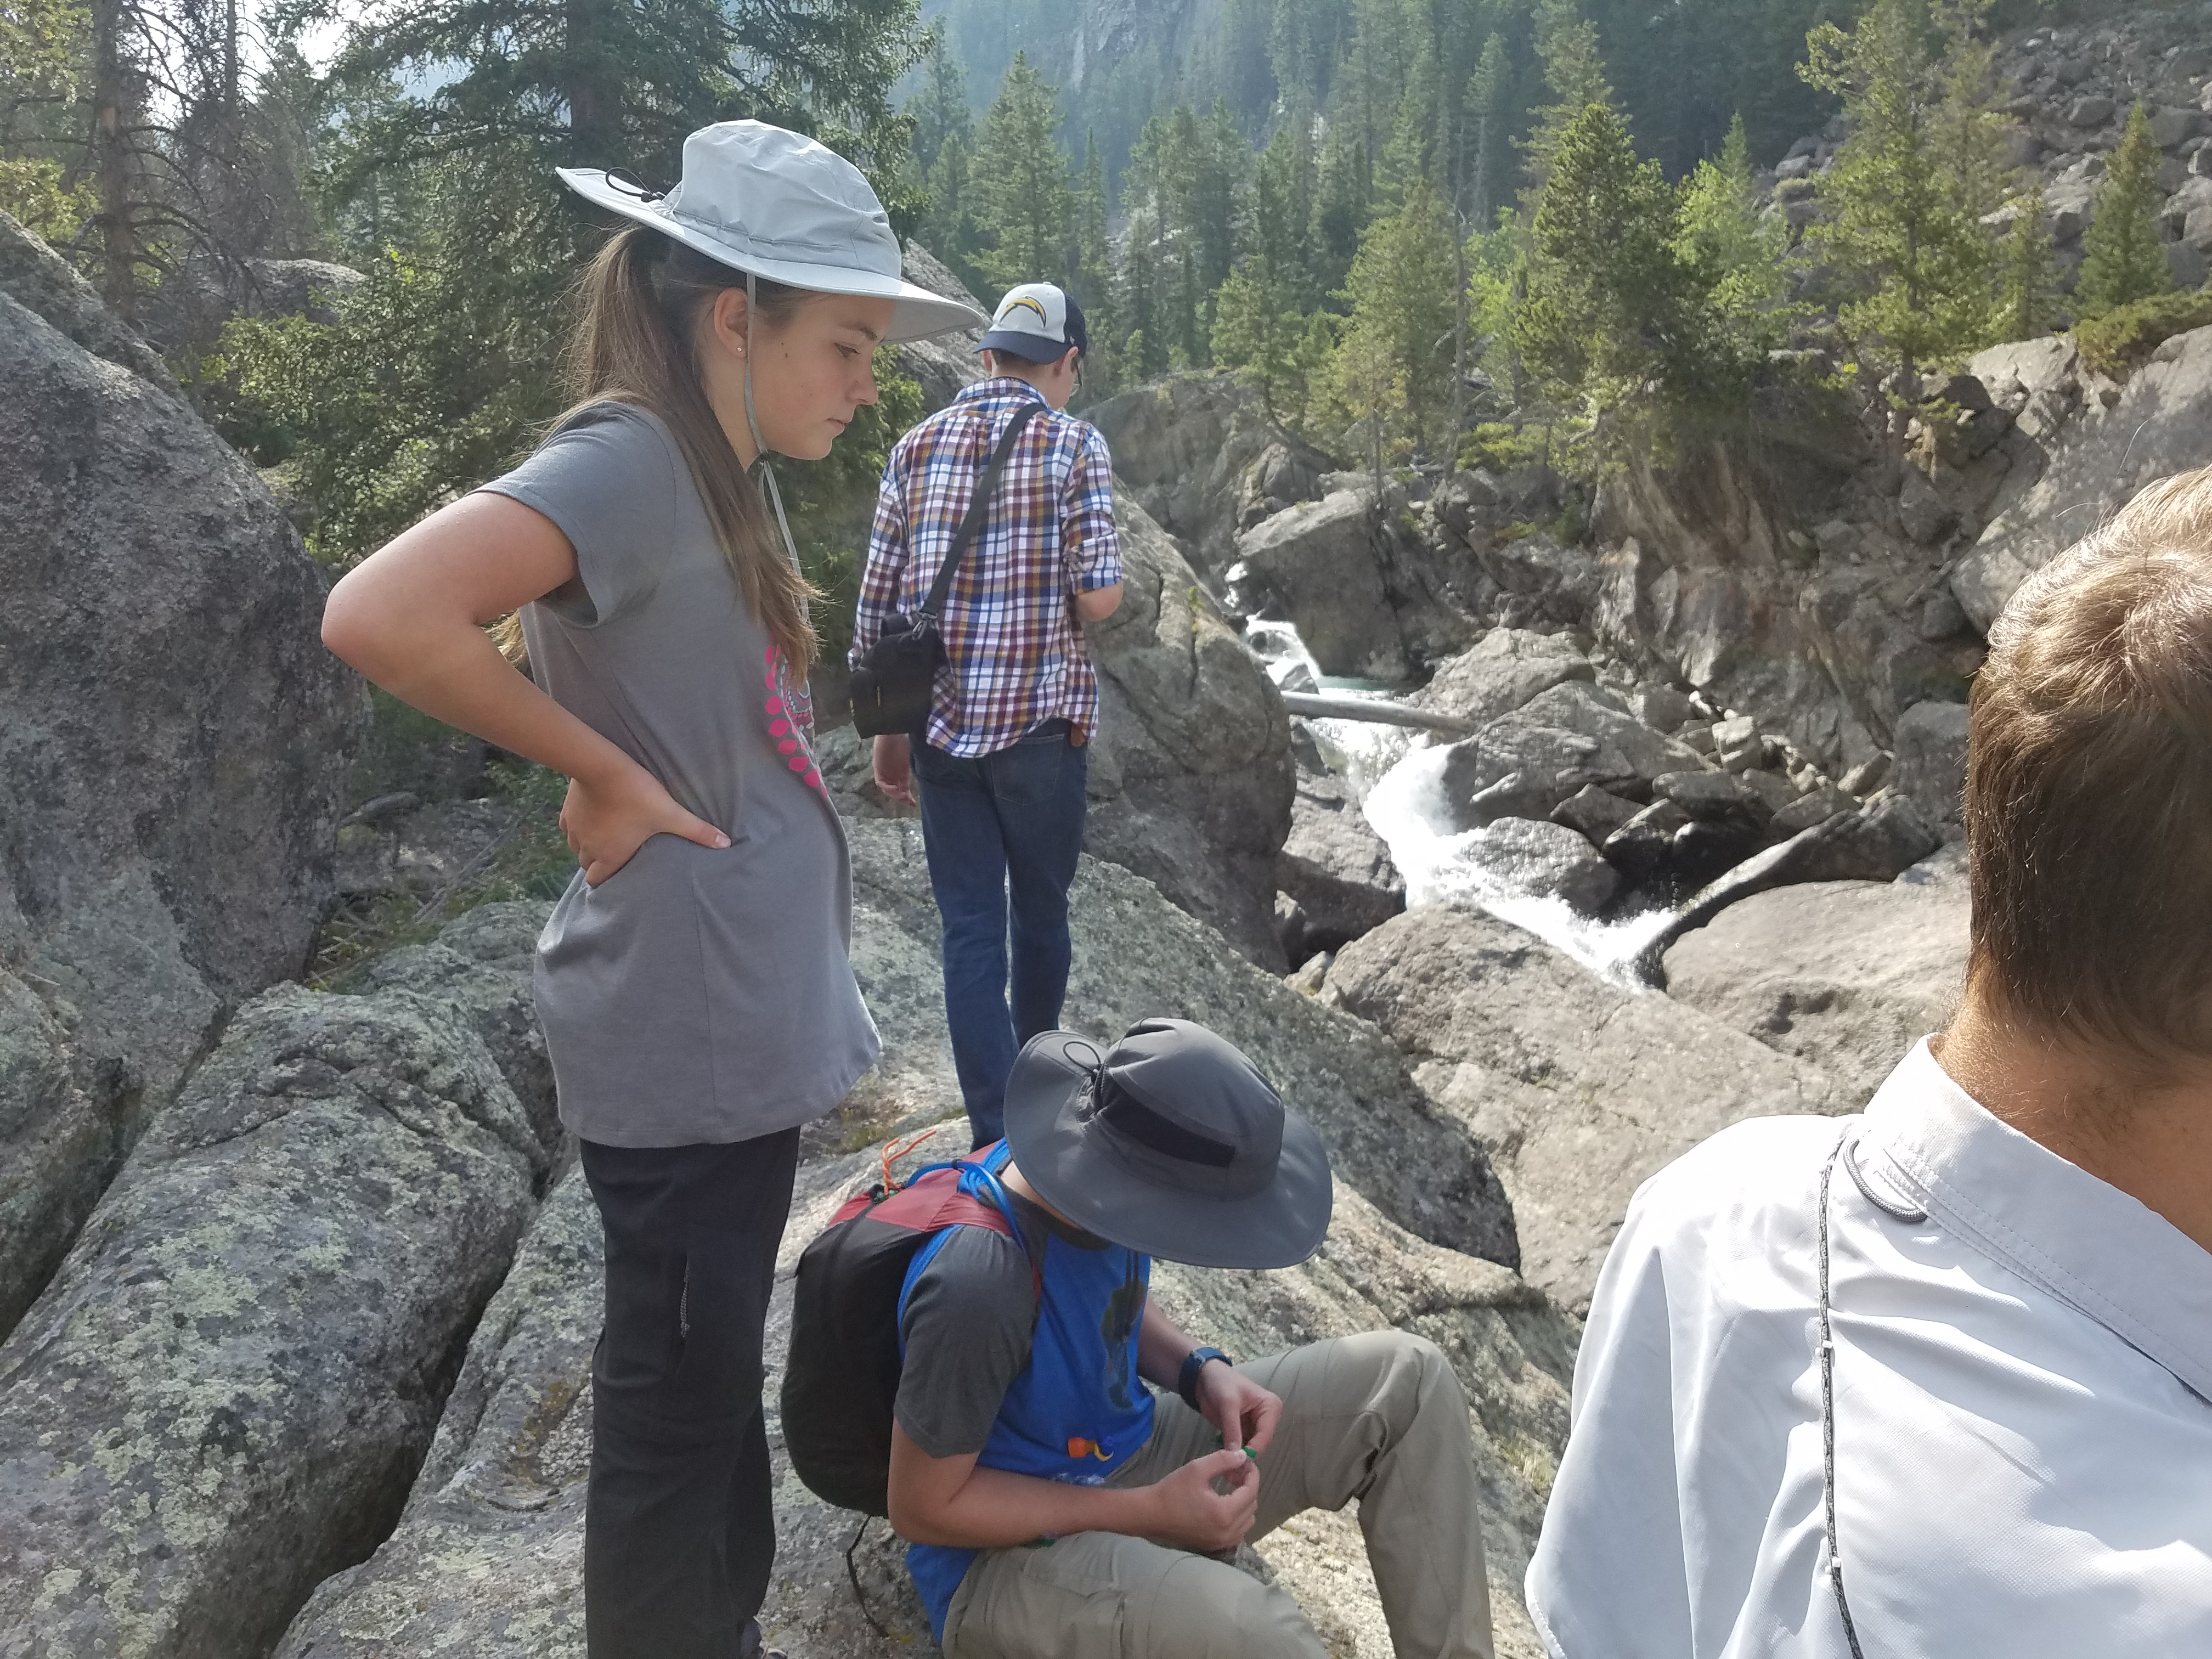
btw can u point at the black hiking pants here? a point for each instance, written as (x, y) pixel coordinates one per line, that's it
(678, 1534)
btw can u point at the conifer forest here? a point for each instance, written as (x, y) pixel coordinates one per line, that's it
(1426, 232)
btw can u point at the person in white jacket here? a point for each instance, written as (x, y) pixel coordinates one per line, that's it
(1937, 1380)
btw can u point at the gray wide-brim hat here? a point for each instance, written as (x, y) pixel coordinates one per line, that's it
(776, 203)
(1169, 1143)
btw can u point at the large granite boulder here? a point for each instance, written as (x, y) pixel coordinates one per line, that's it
(1191, 770)
(1501, 671)
(1180, 446)
(1706, 581)
(1335, 866)
(1565, 740)
(2160, 423)
(1846, 976)
(173, 748)
(482, 963)
(1579, 1089)
(1324, 563)
(1136, 955)
(943, 363)
(223, 1395)
(487, 1561)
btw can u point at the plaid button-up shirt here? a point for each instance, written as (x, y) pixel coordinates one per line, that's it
(1015, 650)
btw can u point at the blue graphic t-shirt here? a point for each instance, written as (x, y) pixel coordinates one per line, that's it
(1075, 1410)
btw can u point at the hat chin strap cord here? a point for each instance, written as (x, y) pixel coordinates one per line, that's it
(752, 424)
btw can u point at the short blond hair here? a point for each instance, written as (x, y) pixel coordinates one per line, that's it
(2089, 787)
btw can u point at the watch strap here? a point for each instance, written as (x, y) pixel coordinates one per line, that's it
(1194, 1362)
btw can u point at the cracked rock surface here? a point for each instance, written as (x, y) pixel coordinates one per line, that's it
(225, 1393)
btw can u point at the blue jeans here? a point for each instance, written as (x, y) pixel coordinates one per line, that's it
(1009, 822)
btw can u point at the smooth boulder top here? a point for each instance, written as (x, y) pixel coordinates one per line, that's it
(1845, 975)
(1579, 1089)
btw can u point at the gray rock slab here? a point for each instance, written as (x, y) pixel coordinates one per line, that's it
(1336, 867)
(1878, 842)
(1322, 560)
(1191, 775)
(1501, 671)
(1579, 1089)
(225, 1392)
(1545, 860)
(1930, 767)
(174, 739)
(2161, 424)
(1574, 735)
(481, 963)
(1138, 955)
(1845, 975)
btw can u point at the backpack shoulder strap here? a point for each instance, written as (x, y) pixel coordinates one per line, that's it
(978, 507)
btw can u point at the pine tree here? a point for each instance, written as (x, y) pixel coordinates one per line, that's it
(1258, 335)
(939, 109)
(1489, 95)
(2028, 293)
(1395, 355)
(1908, 190)
(2123, 259)
(1093, 285)
(1737, 254)
(1574, 74)
(1610, 307)
(1025, 200)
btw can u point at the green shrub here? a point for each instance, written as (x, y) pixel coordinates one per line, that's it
(2121, 341)
(1500, 447)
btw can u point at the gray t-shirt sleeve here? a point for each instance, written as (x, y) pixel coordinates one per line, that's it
(609, 480)
(967, 1325)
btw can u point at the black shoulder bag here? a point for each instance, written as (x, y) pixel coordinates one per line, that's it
(891, 689)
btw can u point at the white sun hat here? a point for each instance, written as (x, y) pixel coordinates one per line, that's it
(786, 209)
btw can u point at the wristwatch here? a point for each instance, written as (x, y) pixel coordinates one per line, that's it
(1194, 1362)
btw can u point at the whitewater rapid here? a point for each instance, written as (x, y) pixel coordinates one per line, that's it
(1397, 775)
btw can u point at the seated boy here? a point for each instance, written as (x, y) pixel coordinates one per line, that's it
(1937, 1380)
(1054, 1506)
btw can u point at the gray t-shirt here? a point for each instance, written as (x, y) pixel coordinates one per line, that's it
(695, 996)
(967, 1328)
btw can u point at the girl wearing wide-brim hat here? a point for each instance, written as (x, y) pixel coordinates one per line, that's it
(693, 981)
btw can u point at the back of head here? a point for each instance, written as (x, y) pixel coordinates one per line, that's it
(2089, 789)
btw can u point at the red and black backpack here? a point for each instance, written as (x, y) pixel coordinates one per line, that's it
(842, 1376)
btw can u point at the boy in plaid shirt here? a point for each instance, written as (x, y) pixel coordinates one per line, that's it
(1001, 770)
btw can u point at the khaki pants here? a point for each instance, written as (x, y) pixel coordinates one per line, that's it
(1378, 1417)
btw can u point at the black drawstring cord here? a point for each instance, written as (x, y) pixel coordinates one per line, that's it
(623, 179)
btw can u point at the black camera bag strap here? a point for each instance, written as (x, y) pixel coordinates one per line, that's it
(978, 508)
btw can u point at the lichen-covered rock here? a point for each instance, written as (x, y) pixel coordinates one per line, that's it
(1846, 976)
(1135, 956)
(488, 1558)
(174, 743)
(1190, 768)
(482, 963)
(223, 1395)
(1579, 1089)
(487, 1562)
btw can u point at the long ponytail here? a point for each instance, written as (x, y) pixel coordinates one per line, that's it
(643, 297)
